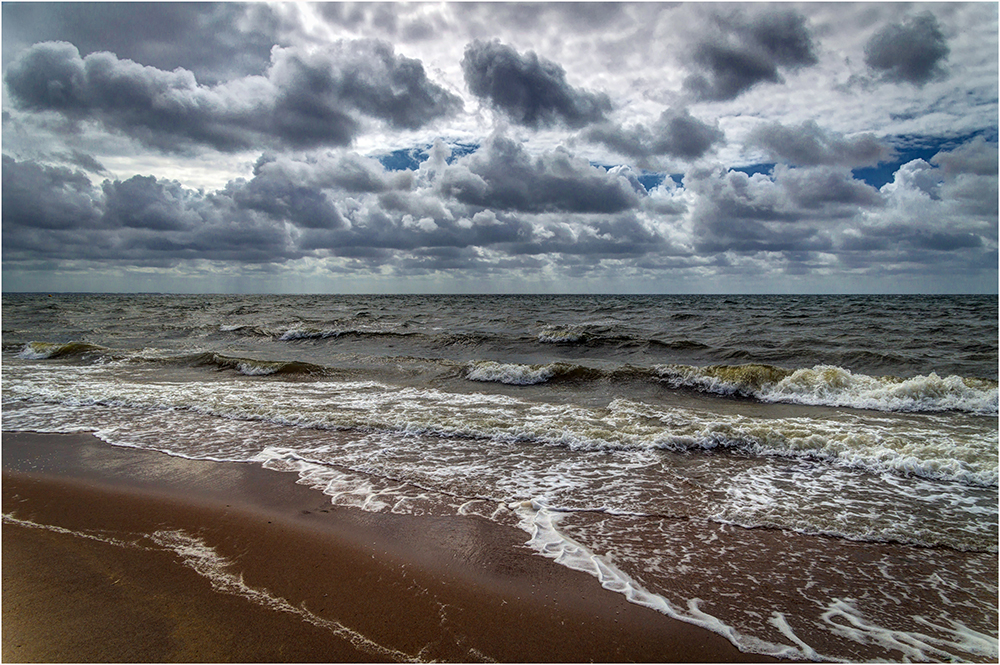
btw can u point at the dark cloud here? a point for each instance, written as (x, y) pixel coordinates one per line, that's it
(90, 87)
(215, 41)
(363, 75)
(307, 99)
(147, 203)
(676, 134)
(84, 161)
(140, 221)
(280, 199)
(516, 209)
(46, 197)
(549, 204)
(503, 176)
(530, 90)
(809, 145)
(735, 198)
(977, 157)
(832, 189)
(344, 171)
(969, 174)
(741, 213)
(375, 233)
(946, 242)
(899, 241)
(745, 52)
(913, 51)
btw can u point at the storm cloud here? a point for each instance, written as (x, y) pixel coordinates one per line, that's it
(912, 51)
(581, 146)
(501, 205)
(809, 145)
(46, 197)
(312, 98)
(746, 51)
(302, 206)
(676, 134)
(215, 41)
(503, 175)
(529, 90)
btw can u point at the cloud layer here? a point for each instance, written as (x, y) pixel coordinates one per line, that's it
(596, 146)
(500, 205)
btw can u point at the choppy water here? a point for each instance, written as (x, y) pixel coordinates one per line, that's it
(813, 477)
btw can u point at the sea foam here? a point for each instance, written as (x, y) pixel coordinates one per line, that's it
(829, 385)
(557, 335)
(877, 443)
(510, 373)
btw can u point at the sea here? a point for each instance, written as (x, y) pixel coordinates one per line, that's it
(812, 477)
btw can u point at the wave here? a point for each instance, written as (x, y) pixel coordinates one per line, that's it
(820, 385)
(900, 444)
(308, 333)
(608, 337)
(557, 335)
(829, 385)
(45, 350)
(516, 374)
(293, 334)
(297, 333)
(247, 330)
(254, 367)
(100, 354)
(510, 373)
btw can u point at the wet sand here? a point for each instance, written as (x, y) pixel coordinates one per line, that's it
(281, 575)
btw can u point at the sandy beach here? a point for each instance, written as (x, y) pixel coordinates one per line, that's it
(114, 554)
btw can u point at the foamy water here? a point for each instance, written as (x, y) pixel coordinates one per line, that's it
(800, 508)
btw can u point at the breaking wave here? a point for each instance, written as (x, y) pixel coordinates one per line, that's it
(556, 335)
(828, 385)
(821, 385)
(870, 443)
(44, 350)
(516, 374)
(253, 367)
(293, 334)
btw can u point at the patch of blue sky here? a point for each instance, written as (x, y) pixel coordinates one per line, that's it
(909, 148)
(410, 159)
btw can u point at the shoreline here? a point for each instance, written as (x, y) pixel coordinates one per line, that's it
(160, 558)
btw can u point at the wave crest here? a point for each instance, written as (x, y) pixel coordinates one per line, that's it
(254, 367)
(43, 350)
(557, 335)
(510, 373)
(829, 385)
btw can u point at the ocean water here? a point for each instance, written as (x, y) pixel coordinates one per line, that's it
(810, 476)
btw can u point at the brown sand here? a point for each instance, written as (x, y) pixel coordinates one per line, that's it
(355, 586)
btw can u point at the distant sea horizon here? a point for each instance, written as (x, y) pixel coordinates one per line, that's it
(508, 293)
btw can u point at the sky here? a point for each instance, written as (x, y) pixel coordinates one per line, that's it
(500, 147)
